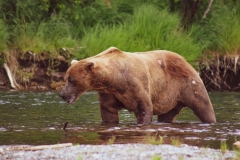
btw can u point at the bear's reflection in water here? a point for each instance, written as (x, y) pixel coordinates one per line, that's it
(195, 134)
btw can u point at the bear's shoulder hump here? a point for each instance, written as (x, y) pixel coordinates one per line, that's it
(111, 50)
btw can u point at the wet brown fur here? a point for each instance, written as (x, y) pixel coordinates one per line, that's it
(176, 66)
(147, 83)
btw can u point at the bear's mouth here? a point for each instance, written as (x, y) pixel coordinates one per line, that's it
(73, 98)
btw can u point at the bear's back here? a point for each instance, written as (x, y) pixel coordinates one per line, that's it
(172, 63)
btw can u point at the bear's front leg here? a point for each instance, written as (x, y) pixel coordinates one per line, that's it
(109, 115)
(109, 107)
(144, 112)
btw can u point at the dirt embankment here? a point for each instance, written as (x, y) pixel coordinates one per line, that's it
(35, 72)
(44, 73)
(221, 73)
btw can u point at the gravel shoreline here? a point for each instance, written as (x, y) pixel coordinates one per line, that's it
(117, 151)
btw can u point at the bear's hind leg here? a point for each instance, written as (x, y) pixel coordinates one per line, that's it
(109, 107)
(197, 99)
(203, 110)
(170, 116)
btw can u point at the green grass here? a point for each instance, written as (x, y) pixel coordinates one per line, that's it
(156, 157)
(156, 140)
(46, 37)
(175, 141)
(219, 33)
(148, 29)
(237, 153)
(111, 140)
(223, 147)
(231, 35)
(4, 35)
(130, 26)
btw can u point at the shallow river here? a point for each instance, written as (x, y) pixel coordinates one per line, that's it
(39, 117)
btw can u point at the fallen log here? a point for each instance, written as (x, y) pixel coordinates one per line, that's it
(34, 148)
(10, 77)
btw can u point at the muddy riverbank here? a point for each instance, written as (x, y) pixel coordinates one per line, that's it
(35, 73)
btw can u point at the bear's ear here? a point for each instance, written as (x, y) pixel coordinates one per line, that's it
(73, 61)
(89, 66)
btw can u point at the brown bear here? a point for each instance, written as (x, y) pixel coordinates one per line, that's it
(149, 83)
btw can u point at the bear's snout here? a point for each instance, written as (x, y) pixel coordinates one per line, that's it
(62, 96)
(68, 96)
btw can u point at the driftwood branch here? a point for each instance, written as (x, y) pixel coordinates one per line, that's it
(235, 63)
(34, 148)
(213, 81)
(207, 10)
(10, 77)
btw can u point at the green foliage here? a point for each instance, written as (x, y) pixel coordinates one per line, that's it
(28, 29)
(220, 31)
(111, 140)
(3, 36)
(2, 60)
(175, 141)
(147, 29)
(20, 11)
(47, 36)
(231, 34)
(45, 26)
(156, 157)
(155, 140)
(223, 147)
(237, 152)
(79, 158)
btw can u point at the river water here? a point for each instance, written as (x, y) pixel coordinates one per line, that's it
(38, 118)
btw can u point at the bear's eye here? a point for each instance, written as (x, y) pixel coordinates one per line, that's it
(71, 80)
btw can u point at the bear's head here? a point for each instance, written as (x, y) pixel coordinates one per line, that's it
(78, 78)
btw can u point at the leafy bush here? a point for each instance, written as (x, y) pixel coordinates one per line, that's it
(220, 31)
(147, 29)
(137, 25)
(3, 36)
(48, 36)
